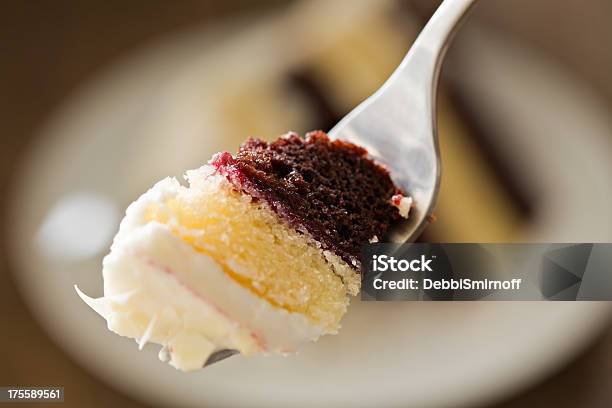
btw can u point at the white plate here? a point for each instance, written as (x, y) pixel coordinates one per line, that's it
(140, 123)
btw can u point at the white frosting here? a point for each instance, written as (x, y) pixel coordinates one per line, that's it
(403, 206)
(158, 289)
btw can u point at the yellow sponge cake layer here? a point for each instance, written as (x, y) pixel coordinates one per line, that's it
(260, 252)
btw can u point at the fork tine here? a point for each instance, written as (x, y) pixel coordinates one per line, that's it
(220, 355)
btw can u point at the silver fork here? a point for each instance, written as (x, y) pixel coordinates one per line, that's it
(397, 124)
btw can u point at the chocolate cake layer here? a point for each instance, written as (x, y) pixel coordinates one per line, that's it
(329, 189)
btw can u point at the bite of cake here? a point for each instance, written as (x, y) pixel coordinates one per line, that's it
(258, 254)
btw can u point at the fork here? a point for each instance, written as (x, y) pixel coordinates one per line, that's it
(397, 124)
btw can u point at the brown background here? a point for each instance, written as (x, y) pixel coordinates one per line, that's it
(48, 48)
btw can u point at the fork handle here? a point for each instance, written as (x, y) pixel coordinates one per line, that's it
(430, 46)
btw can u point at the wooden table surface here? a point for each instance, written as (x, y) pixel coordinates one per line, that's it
(47, 49)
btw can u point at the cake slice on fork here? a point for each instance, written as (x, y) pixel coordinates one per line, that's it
(258, 254)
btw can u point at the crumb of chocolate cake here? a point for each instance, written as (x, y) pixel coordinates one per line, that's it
(327, 188)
